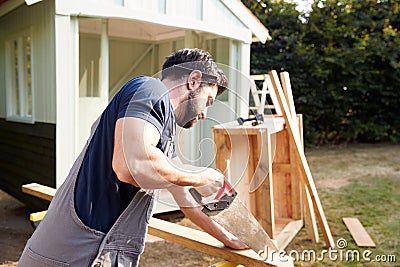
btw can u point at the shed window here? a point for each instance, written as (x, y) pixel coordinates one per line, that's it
(19, 75)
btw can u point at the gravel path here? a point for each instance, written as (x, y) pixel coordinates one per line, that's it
(15, 229)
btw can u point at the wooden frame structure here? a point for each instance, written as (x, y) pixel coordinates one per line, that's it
(268, 165)
(258, 160)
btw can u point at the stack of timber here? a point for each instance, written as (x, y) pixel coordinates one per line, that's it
(303, 168)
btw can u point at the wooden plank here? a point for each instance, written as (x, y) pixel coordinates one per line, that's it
(258, 77)
(202, 242)
(225, 264)
(305, 171)
(296, 189)
(300, 121)
(40, 191)
(265, 209)
(311, 221)
(38, 129)
(288, 233)
(21, 144)
(254, 93)
(220, 137)
(263, 176)
(277, 194)
(280, 167)
(251, 175)
(281, 185)
(287, 189)
(287, 90)
(282, 198)
(282, 152)
(239, 167)
(271, 122)
(273, 96)
(358, 232)
(297, 206)
(265, 106)
(37, 216)
(182, 235)
(263, 96)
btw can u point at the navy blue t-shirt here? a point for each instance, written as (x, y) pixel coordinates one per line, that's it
(99, 196)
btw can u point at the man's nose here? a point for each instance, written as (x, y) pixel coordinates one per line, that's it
(205, 113)
(210, 101)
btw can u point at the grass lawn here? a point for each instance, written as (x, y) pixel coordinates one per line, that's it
(361, 181)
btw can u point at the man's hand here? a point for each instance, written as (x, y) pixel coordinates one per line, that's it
(215, 182)
(230, 240)
(193, 211)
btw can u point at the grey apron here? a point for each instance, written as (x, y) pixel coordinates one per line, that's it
(61, 238)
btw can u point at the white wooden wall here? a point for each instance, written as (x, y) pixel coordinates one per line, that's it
(40, 17)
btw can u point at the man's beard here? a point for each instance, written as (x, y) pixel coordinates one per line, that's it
(187, 112)
(189, 124)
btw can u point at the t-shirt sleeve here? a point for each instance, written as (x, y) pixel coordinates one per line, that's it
(148, 102)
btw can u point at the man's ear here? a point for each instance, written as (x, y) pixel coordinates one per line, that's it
(194, 79)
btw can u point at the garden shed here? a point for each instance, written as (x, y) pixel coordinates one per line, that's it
(61, 61)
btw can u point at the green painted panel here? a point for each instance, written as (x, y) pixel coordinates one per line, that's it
(27, 154)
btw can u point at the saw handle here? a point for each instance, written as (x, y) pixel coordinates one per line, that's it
(226, 188)
(196, 195)
(211, 189)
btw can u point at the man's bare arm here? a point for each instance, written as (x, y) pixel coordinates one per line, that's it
(137, 160)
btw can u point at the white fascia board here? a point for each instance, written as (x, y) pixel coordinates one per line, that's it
(9, 6)
(85, 9)
(248, 19)
(31, 2)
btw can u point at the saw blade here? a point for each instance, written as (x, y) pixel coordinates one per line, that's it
(238, 220)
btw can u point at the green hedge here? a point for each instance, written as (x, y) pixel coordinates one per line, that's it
(344, 63)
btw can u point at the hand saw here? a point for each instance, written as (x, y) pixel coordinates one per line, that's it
(227, 210)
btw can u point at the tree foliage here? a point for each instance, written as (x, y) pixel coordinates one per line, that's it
(344, 63)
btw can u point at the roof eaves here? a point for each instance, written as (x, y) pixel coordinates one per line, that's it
(6, 6)
(248, 19)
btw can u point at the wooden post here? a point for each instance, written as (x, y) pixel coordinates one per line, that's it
(305, 171)
(262, 183)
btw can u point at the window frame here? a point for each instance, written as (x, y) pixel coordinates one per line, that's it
(21, 85)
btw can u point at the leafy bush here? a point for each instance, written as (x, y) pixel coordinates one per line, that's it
(344, 63)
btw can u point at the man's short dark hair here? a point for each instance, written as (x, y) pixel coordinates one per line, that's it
(183, 61)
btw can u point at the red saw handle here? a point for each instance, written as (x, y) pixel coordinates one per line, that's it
(226, 188)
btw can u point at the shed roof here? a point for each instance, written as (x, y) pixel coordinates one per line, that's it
(248, 19)
(237, 8)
